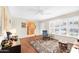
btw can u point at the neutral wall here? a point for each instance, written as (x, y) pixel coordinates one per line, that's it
(15, 22)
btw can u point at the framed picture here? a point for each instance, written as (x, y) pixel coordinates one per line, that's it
(23, 24)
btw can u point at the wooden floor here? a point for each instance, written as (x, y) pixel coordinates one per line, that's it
(26, 47)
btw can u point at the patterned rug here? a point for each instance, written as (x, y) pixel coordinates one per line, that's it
(48, 46)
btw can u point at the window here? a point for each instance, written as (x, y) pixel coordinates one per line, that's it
(69, 27)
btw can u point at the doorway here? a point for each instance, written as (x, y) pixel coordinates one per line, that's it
(31, 26)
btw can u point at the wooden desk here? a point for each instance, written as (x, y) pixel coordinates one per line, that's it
(14, 49)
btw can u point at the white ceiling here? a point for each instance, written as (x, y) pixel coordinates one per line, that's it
(40, 12)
